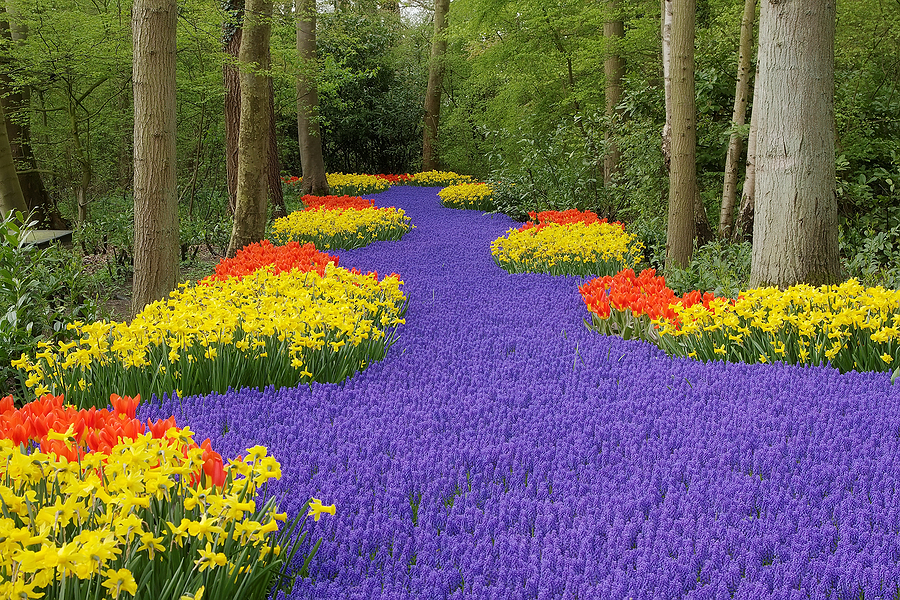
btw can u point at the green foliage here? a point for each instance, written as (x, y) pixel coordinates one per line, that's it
(42, 291)
(718, 267)
(555, 172)
(371, 89)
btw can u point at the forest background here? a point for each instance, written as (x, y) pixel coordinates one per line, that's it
(523, 107)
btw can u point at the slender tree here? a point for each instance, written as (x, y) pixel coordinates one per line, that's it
(795, 233)
(156, 249)
(311, 159)
(614, 69)
(253, 140)
(430, 159)
(743, 227)
(16, 99)
(231, 31)
(741, 93)
(683, 170)
(11, 198)
(702, 232)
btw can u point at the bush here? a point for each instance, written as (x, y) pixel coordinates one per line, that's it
(42, 291)
(719, 267)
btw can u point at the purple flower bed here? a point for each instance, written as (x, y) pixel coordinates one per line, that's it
(501, 450)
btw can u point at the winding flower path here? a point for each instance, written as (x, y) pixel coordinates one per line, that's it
(502, 450)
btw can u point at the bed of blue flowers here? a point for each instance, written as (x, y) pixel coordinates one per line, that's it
(503, 450)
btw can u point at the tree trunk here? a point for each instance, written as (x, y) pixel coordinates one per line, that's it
(311, 160)
(11, 198)
(253, 138)
(683, 172)
(666, 7)
(430, 159)
(273, 164)
(17, 104)
(232, 34)
(614, 69)
(743, 228)
(156, 249)
(702, 231)
(795, 233)
(232, 37)
(741, 91)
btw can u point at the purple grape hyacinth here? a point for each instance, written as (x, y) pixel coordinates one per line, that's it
(502, 450)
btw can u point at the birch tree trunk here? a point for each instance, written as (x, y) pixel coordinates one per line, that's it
(430, 158)
(253, 138)
(11, 198)
(614, 69)
(683, 170)
(311, 159)
(743, 227)
(156, 249)
(795, 234)
(741, 91)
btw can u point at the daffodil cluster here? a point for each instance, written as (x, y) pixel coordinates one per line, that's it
(578, 248)
(438, 178)
(345, 228)
(846, 325)
(475, 196)
(354, 184)
(346, 184)
(134, 522)
(259, 330)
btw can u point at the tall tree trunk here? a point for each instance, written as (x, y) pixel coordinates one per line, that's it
(702, 231)
(430, 159)
(253, 139)
(667, 7)
(17, 105)
(795, 233)
(614, 69)
(738, 116)
(311, 160)
(273, 164)
(232, 38)
(683, 172)
(11, 198)
(743, 227)
(156, 249)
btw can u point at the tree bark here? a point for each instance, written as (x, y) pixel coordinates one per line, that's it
(702, 231)
(683, 172)
(614, 69)
(11, 198)
(232, 37)
(17, 102)
(273, 162)
(232, 34)
(795, 234)
(739, 114)
(430, 157)
(743, 227)
(156, 249)
(253, 138)
(312, 161)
